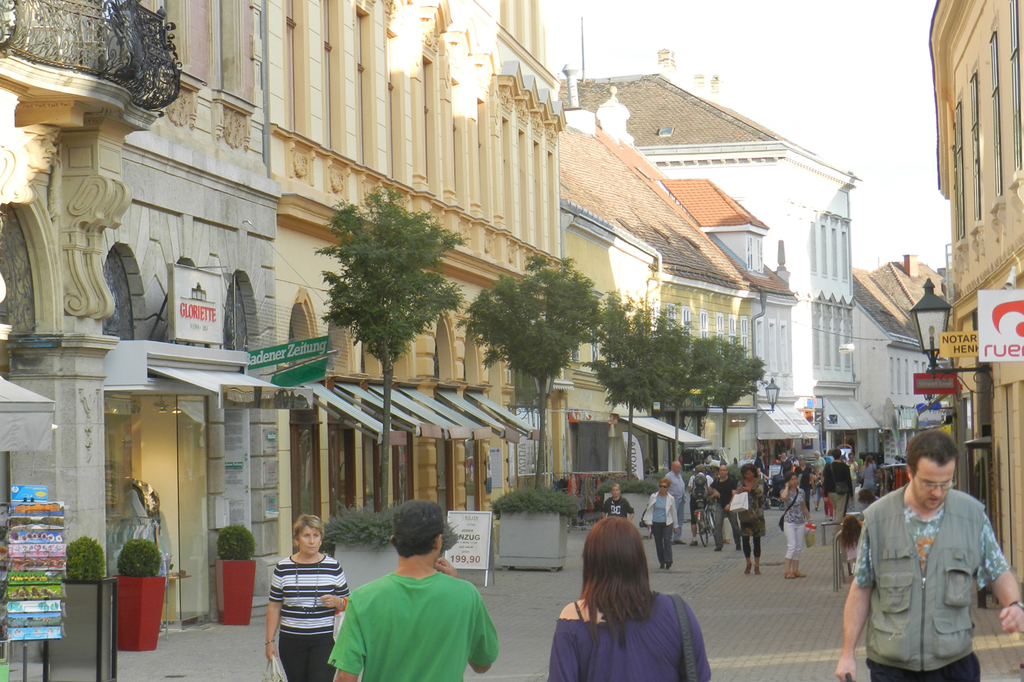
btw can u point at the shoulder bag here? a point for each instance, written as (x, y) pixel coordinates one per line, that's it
(782, 519)
(689, 671)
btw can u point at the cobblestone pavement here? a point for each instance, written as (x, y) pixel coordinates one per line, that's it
(757, 628)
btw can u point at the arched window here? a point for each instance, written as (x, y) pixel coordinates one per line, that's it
(239, 312)
(18, 306)
(122, 322)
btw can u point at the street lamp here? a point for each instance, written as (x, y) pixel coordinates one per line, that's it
(931, 315)
(771, 391)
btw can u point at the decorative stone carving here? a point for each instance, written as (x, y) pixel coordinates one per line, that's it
(522, 111)
(538, 123)
(25, 153)
(489, 243)
(232, 126)
(978, 242)
(300, 162)
(552, 134)
(182, 111)
(505, 98)
(513, 251)
(339, 178)
(428, 25)
(98, 203)
(483, 78)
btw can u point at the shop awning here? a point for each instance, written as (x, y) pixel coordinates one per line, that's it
(846, 414)
(157, 367)
(347, 412)
(478, 430)
(504, 415)
(26, 419)
(240, 390)
(374, 401)
(450, 430)
(666, 430)
(784, 423)
(479, 414)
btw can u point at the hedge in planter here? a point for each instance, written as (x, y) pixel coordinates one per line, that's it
(85, 560)
(533, 532)
(140, 596)
(361, 538)
(235, 575)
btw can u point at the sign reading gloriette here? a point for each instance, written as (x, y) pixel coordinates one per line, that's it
(196, 308)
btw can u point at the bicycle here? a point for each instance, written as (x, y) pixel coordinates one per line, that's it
(705, 514)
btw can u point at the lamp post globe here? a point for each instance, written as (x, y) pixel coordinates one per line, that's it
(931, 315)
(771, 391)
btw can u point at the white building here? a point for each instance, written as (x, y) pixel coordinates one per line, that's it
(804, 199)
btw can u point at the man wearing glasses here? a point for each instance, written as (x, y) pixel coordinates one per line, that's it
(921, 549)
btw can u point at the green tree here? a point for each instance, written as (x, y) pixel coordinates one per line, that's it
(533, 324)
(735, 374)
(388, 287)
(688, 368)
(634, 354)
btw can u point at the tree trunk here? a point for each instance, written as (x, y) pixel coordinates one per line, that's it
(543, 393)
(388, 368)
(725, 423)
(675, 443)
(629, 447)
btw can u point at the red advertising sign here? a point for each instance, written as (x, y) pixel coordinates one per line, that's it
(936, 384)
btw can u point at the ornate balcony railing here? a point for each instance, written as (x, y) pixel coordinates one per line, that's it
(117, 40)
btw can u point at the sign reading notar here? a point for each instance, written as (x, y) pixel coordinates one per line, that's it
(288, 352)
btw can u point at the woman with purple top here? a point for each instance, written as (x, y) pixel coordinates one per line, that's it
(619, 629)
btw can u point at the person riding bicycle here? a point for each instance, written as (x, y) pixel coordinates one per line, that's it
(698, 487)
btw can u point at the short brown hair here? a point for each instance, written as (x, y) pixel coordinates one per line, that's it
(935, 444)
(307, 521)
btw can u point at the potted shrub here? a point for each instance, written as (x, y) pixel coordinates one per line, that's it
(361, 541)
(533, 530)
(236, 575)
(637, 492)
(90, 621)
(140, 596)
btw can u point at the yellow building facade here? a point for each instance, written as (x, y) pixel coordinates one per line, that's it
(450, 104)
(976, 52)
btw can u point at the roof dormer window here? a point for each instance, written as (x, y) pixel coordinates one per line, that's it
(665, 132)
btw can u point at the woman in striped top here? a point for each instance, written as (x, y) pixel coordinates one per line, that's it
(306, 590)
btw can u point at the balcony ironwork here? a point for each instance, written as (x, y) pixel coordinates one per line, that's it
(117, 40)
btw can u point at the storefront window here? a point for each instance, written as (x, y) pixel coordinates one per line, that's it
(156, 489)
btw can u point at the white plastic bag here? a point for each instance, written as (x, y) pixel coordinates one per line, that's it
(740, 502)
(274, 671)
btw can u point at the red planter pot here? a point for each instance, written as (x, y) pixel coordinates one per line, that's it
(235, 582)
(139, 605)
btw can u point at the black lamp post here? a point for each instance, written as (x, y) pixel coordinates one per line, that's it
(771, 391)
(931, 315)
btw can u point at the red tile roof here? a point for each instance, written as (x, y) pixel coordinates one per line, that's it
(709, 205)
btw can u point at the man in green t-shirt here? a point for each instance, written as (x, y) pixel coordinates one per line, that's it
(420, 622)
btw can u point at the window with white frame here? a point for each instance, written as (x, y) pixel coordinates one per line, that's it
(720, 325)
(704, 324)
(750, 252)
(575, 355)
(732, 328)
(595, 352)
(745, 332)
(687, 321)
(670, 313)
(783, 347)
(773, 344)
(759, 339)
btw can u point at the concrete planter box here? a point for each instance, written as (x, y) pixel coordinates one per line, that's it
(639, 503)
(364, 564)
(532, 541)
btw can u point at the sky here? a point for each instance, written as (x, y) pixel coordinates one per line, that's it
(849, 81)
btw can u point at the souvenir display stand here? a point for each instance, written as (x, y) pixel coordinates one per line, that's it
(34, 559)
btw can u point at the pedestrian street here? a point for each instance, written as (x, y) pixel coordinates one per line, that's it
(756, 628)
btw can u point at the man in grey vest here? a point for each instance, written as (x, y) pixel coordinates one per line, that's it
(921, 549)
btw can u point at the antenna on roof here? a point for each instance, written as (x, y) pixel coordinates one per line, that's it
(583, 53)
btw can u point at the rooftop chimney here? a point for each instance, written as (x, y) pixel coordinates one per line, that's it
(613, 116)
(698, 82)
(571, 86)
(667, 63)
(715, 83)
(910, 266)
